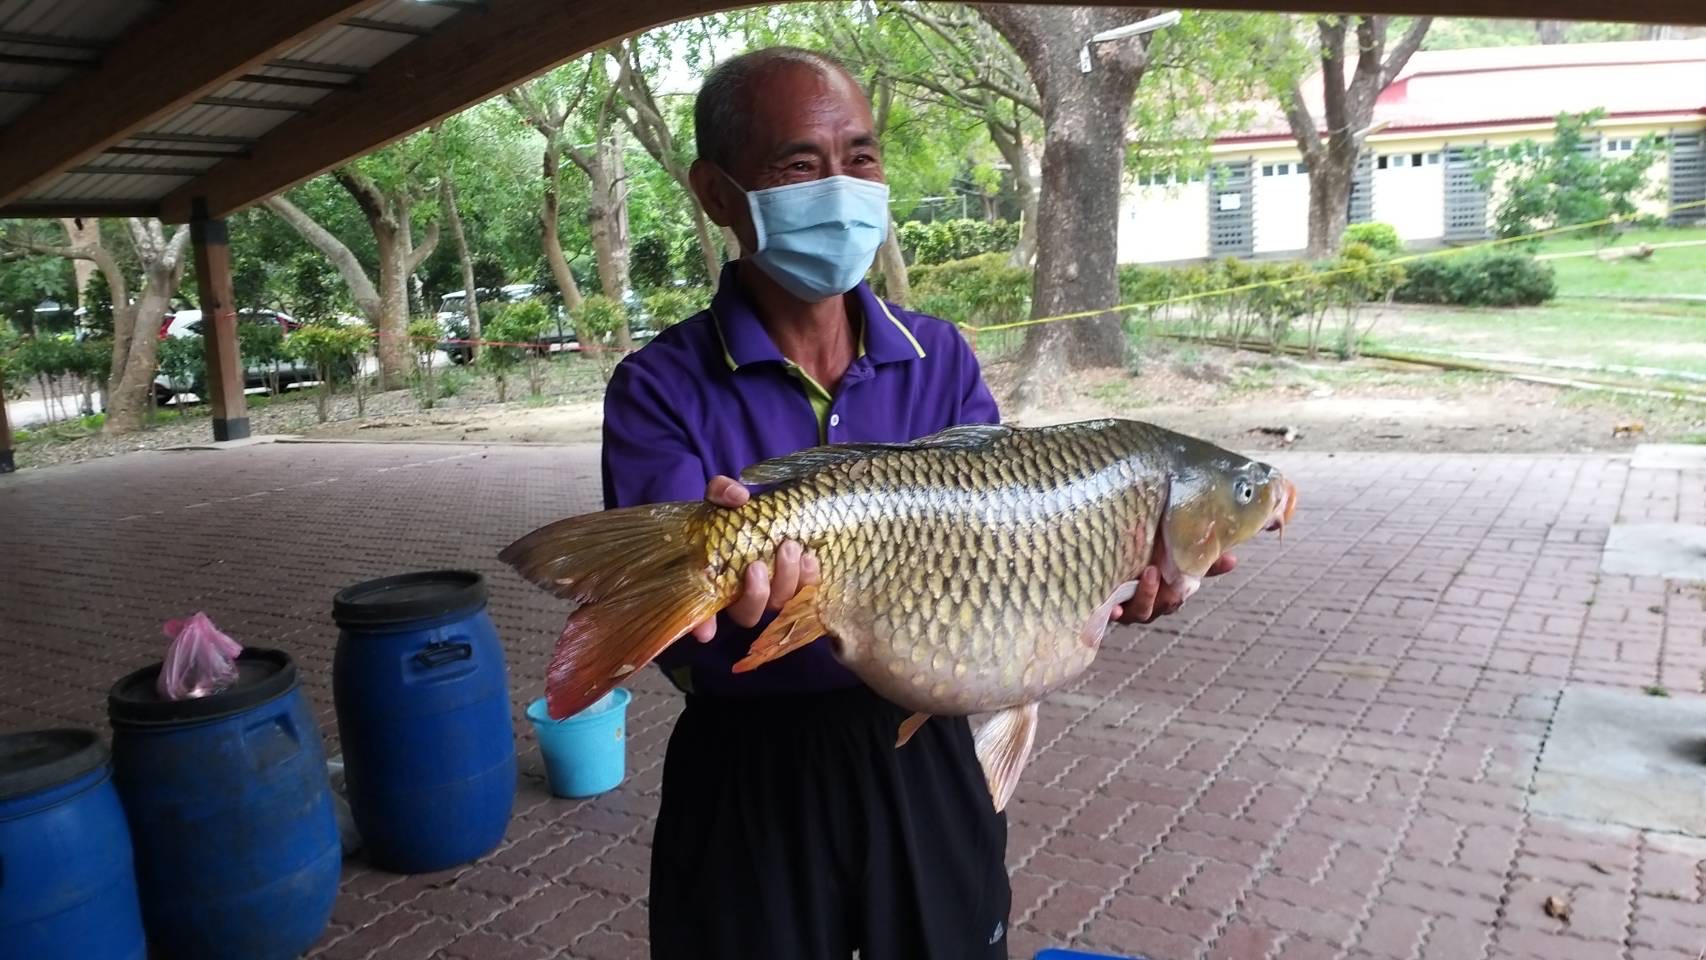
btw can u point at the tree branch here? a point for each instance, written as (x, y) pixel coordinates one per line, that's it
(349, 268)
(1303, 126)
(420, 253)
(1406, 48)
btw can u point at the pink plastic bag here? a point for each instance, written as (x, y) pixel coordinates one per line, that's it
(199, 661)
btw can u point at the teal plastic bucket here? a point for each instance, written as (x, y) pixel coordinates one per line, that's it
(586, 754)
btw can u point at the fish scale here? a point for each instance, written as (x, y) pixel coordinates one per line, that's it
(972, 571)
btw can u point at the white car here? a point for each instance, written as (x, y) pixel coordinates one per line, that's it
(187, 323)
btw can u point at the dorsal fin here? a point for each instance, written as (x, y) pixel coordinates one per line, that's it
(968, 436)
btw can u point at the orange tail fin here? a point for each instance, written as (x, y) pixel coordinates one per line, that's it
(642, 581)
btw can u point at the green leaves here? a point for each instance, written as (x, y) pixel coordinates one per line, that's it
(1569, 180)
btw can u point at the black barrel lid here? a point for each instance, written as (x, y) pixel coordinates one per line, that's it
(262, 676)
(38, 760)
(409, 597)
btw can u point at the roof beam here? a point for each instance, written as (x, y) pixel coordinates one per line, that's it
(460, 63)
(223, 40)
(42, 209)
(434, 76)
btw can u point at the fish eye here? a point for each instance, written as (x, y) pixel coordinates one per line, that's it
(1244, 492)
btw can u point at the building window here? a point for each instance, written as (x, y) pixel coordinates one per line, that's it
(1433, 159)
(1620, 147)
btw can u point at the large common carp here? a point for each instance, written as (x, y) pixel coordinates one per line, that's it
(971, 571)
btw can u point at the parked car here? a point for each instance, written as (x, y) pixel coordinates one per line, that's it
(188, 323)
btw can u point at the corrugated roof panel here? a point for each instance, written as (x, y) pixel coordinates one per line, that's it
(347, 47)
(270, 93)
(412, 13)
(104, 186)
(222, 121)
(83, 19)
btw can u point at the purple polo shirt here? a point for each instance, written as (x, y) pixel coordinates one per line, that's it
(713, 395)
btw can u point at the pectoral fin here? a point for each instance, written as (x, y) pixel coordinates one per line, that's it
(1003, 746)
(910, 726)
(793, 628)
(1097, 626)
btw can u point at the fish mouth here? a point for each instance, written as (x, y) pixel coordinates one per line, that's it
(1284, 506)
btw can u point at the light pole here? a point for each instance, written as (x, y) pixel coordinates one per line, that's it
(1137, 29)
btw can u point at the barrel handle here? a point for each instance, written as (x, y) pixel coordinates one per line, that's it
(443, 652)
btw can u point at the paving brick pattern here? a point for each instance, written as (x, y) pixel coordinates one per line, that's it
(1325, 755)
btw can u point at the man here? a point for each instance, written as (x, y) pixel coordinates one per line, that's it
(791, 826)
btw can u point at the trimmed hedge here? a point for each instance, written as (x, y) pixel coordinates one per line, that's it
(1498, 279)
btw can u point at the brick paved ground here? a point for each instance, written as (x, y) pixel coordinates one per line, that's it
(1325, 756)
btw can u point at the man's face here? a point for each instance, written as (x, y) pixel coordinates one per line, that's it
(805, 124)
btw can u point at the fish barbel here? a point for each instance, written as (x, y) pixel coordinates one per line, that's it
(972, 571)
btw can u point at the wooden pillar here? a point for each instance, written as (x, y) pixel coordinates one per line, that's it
(219, 329)
(7, 463)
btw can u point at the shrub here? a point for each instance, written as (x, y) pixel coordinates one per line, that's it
(334, 351)
(183, 362)
(671, 306)
(598, 320)
(984, 289)
(1382, 237)
(1497, 279)
(523, 322)
(261, 344)
(945, 240)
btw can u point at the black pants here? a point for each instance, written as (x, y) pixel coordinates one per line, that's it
(792, 829)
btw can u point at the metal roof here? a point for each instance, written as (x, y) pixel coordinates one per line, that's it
(168, 107)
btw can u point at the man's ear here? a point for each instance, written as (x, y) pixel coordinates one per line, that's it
(713, 190)
(724, 203)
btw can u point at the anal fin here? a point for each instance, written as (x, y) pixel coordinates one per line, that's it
(1003, 747)
(910, 726)
(793, 628)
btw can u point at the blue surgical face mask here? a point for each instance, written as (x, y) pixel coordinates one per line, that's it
(817, 239)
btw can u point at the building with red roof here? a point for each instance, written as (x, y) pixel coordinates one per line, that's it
(1417, 172)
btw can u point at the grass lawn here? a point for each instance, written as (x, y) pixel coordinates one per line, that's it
(1677, 270)
(1667, 335)
(1582, 326)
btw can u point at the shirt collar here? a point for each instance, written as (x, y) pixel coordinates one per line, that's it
(883, 338)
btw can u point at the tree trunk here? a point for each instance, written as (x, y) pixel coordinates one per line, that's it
(707, 243)
(129, 388)
(1347, 112)
(607, 222)
(470, 298)
(136, 337)
(893, 265)
(1551, 31)
(391, 326)
(83, 232)
(1330, 176)
(549, 215)
(1084, 121)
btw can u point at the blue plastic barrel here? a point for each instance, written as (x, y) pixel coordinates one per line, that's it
(585, 754)
(67, 883)
(230, 810)
(422, 697)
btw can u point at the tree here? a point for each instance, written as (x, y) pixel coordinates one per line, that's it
(1348, 111)
(1084, 138)
(578, 102)
(947, 57)
(160, 260)
(453, 216)
(1566, 181)
(387, 187)
(639, 110)
(1549, 32)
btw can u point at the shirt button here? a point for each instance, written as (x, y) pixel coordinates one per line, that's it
(835, 419)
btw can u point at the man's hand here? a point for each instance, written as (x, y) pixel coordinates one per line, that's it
(761, 590)
(1156, 599)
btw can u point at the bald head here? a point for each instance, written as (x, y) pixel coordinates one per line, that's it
(723, 111)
